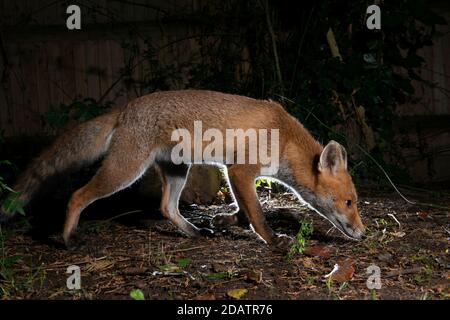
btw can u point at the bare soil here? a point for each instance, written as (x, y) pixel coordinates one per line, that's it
(125, 250)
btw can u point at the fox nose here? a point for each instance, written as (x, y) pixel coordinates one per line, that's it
(356, 232)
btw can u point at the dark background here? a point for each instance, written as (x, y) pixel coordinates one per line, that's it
(384, 94)
(386, 98)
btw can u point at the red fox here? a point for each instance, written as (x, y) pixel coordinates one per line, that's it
(140, 135)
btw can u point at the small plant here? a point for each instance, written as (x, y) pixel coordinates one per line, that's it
(9, 198)
(305, 231)
(260, 182)
(11, 204)
(229, 274)
(7, 276)
(137, 294)
(374, 295)
(329, 284)
(178, 267)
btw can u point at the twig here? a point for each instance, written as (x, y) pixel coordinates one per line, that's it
(274, 44)
(123, 214)
(393, 217)
(187, 249)
(300, 46)
(402, 272)
(173, 274)
(57, 266)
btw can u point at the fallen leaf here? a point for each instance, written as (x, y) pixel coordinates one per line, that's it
(398, 234)
(221, 196)
(385, 257)
(308, 263)
(169, 267)
(206, 296)
(254, 276)
(137, 294)
(423, 215)
(99, 265)
(237, 293)
(220, 267)
(318, 251)
(343, 271)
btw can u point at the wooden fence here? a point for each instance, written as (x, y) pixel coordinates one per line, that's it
(48, 65)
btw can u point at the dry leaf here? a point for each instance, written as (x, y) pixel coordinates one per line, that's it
(398, 234)
(206, 296)
(237, 293)
(254, 276)
(318, 251)
(343, 271)
(423, 215)
(99, 265)
(221, 196)
(308, 263)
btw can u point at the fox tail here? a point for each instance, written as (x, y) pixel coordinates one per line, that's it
(78, 147)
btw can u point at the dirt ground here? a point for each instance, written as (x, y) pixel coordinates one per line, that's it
(124, 250)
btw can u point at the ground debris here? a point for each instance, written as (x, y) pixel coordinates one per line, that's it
(120, 256)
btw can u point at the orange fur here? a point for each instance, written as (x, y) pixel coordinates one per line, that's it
(139, 135)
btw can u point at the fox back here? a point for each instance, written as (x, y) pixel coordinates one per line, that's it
(142, 133)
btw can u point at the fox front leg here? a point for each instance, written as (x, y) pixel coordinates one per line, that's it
(243, 186)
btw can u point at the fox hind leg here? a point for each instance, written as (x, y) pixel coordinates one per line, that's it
(118, 171)
(237, 218)
(173, 178)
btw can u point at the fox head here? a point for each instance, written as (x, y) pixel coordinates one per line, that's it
(334, 195)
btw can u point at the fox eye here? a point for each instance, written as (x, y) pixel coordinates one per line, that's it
(348, 203)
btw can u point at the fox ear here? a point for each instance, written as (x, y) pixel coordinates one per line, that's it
(333, 157)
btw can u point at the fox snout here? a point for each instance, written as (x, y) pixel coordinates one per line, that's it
(355, 232)
(354, 229)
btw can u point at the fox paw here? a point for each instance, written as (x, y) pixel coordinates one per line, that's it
(73, 242)
(205, 232)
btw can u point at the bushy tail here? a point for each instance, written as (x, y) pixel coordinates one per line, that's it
(79, 146)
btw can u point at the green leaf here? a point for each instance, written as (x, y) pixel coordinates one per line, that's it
(12, 259)
(183, 263)
(221, 275)
(169, 267)
(237, 293)
(137, 294)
